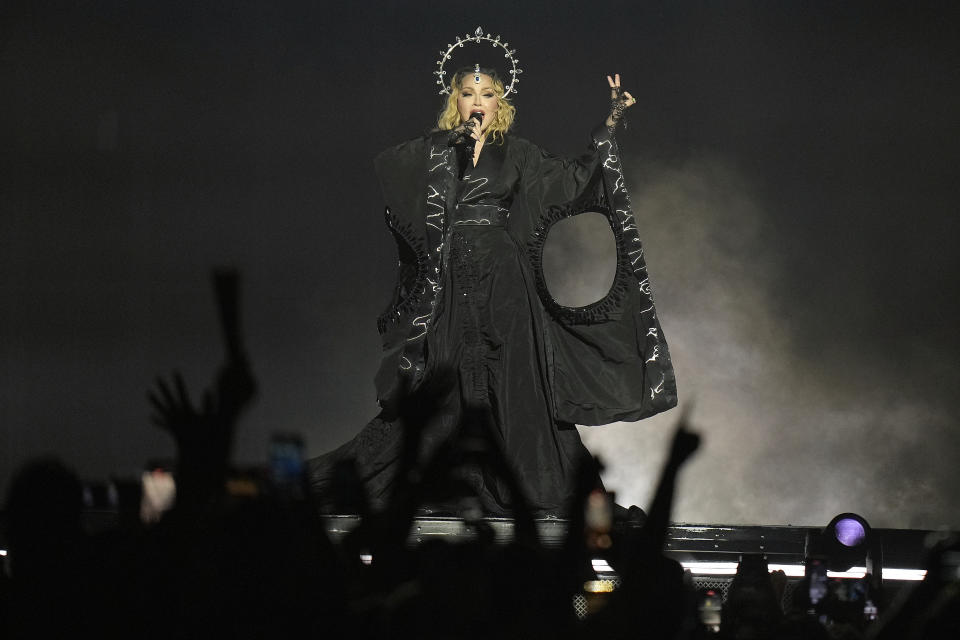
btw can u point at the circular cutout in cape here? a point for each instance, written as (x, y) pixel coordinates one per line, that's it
(580, 259)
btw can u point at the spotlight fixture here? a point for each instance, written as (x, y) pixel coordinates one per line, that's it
(849, 529)
(847, 541)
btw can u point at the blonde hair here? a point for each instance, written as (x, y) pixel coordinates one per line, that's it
(502, 119)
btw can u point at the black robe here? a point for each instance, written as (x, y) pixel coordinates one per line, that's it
(471, 298)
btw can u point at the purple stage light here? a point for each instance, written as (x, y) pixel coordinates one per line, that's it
(849, 532)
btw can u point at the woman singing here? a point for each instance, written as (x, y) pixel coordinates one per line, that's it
(470, 206)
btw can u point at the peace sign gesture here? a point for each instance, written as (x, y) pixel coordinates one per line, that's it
(619, 101)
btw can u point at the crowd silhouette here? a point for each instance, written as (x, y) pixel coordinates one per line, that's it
(250, 557)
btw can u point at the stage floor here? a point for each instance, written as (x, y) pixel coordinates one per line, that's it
(704, 549)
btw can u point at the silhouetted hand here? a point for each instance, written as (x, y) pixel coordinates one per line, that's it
(189, 425)
(202, 439)
(174, 411)
(203, 434)
(685, 443)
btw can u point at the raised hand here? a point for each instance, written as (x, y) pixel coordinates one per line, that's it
(619, 101)
(685, 441)
(204, 434)
(203, 442)
(174, 412)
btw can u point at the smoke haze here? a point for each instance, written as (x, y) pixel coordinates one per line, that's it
(794, 430)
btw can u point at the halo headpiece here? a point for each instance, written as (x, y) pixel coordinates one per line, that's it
(477, 38)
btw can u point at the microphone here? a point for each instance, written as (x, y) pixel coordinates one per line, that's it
(478, 117)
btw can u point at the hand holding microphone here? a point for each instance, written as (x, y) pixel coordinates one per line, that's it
(470, 128)
(473, 129)
(468, 132)
(474, 123)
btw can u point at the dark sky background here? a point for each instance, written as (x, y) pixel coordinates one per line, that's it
(793, 165)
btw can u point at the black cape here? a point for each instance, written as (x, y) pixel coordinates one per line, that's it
(471, 297)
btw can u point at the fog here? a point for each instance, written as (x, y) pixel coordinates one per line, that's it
(793, 430)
